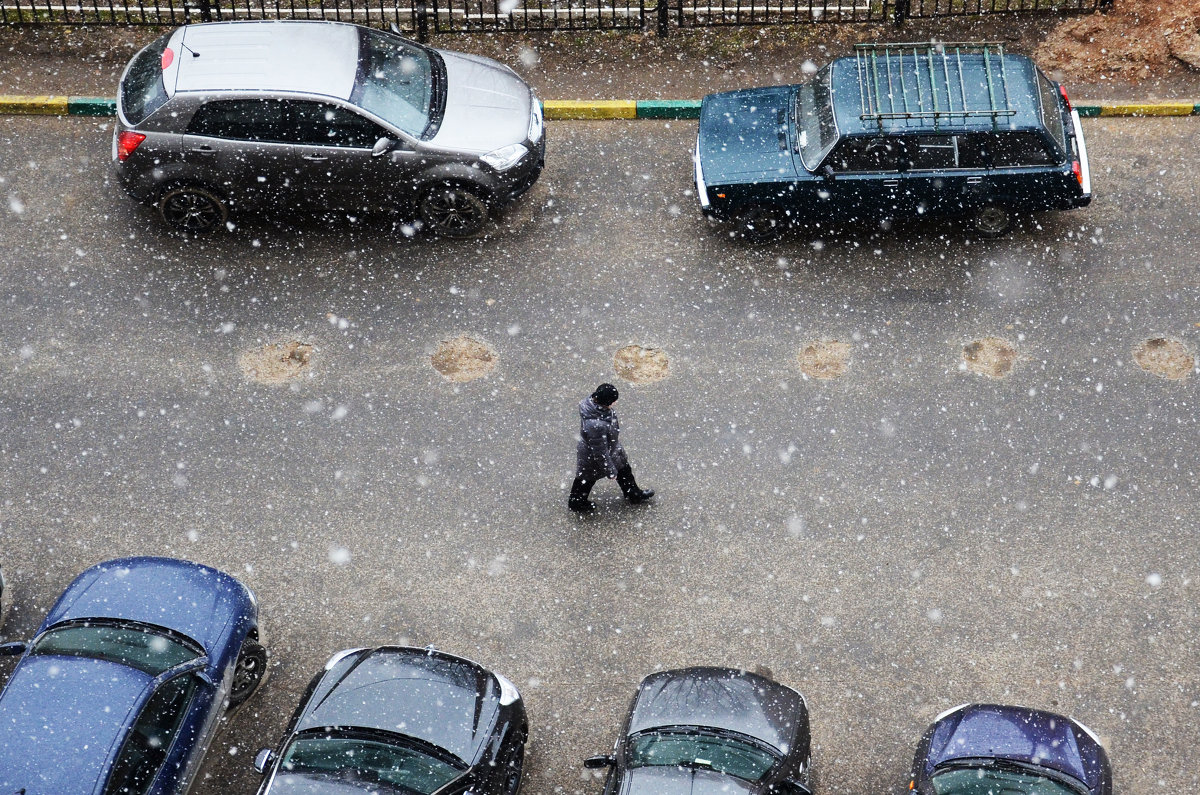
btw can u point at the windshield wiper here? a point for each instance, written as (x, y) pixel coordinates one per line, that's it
(1015, 765)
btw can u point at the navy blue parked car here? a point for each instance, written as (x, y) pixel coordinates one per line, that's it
(896, 130)
(975, 749)
(401, 721)
(121, 690)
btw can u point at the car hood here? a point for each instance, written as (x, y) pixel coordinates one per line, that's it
(56, 709)
(722, 698)
(682, 781)
(443, 700)
(487, 105)
(745, 135)
(1023, 735)
(194, 600)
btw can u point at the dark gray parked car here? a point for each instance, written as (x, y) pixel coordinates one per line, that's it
(327, 116)
(711, 731)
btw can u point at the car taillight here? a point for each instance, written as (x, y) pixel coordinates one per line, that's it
(126, 142)
(1063, 90)
(1077, 170)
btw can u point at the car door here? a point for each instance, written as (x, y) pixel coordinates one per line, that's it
(237, 146)
(864, 178)
(934, 181)
(333, 159)
(1022, 171)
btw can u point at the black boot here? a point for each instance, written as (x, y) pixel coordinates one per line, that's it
(630, 487)
(578, 501)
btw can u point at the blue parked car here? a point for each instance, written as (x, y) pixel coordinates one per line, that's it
(121, 690)
(895, 130)
(975, 749)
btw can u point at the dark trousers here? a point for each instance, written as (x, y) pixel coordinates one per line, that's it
(582, 487)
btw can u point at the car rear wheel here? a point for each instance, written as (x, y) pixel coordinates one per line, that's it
(992, 220)
(249, 672)
(192, 210)
(453, 211)
(760, 223)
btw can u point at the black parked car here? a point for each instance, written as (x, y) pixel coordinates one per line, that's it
(715, 731)
(896, 130)
(398, 721)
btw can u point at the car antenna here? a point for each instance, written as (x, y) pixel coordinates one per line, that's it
(189, 49)
(396, 29)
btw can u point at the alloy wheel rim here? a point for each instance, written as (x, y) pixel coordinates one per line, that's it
(192, 211)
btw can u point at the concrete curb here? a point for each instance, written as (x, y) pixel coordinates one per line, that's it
(565, 109)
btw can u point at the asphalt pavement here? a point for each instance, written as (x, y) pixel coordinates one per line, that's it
(892, 542)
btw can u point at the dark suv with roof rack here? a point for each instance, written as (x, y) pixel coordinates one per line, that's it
(895, 130)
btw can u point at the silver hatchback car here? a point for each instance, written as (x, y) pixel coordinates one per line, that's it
(327, 116)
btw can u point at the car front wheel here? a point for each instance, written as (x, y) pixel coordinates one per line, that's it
(249, 673)
(453, 211)
(992, 220)
(192, 210)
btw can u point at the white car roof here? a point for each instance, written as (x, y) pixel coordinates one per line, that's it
(310, 57)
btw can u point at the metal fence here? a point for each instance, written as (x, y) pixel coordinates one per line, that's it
(421, 18)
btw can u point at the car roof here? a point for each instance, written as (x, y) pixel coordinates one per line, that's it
(61, 721)
(311, 57)
(905, 88)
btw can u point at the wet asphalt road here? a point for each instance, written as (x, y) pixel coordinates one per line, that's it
(900, 540)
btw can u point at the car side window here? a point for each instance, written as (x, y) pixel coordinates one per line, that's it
(149, 740)
(973, 151)
(322, 124)
(1011, 149)
(874, 153)
(239, 119)
(933, 152)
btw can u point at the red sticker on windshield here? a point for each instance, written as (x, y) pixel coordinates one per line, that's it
(167, 57)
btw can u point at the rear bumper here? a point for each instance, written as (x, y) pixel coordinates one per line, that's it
(1085, 167)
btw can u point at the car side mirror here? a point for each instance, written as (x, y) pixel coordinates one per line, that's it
(12, 649)
(599, 761)
(827, 172)
(263, 759)
(382, 147)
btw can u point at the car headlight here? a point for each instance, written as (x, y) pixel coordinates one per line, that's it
(505, 157)
(508, 691)
(536, 125)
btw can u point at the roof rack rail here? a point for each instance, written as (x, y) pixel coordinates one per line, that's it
(936, 71)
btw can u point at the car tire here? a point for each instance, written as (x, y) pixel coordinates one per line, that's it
(992, 220)
(249, 672)
(760, 223)
(453, 211)
(192, 210)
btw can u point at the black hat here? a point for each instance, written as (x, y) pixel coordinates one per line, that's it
(605, 395)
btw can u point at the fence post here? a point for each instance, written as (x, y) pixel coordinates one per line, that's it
(663, 11)
(900, 12)
(206, 10)
(422, 20)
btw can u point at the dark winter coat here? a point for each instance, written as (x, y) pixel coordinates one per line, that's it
(599, 453)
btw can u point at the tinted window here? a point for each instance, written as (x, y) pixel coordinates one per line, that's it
(150, 739)
(696, 750)
(875, 153)
(932, 152)
(972, 151)
(1052, 110)
(241, 119)
(395, 81)
(135, 646)
(319, 124)
(989, 781)
(372, 762)
(1017, 149)
(142, 90)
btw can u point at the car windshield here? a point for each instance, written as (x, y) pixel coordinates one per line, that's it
(720, 752)
(395, 81)
(816, 129)
(369, 761)
(144, 648)
(992, 779)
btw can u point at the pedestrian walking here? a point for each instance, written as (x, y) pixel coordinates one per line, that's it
(599, 453)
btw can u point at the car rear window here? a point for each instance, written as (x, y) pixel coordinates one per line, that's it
(1052, 110)
(142, 90)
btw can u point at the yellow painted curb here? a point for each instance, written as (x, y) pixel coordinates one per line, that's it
(1148, 109)
(50, 106)
(590, 109)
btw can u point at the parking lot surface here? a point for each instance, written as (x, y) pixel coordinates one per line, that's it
(894, 541)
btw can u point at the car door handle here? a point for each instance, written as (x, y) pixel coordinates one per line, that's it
(891, 183)
(974, 180)
(315, 158)
(204, 150)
